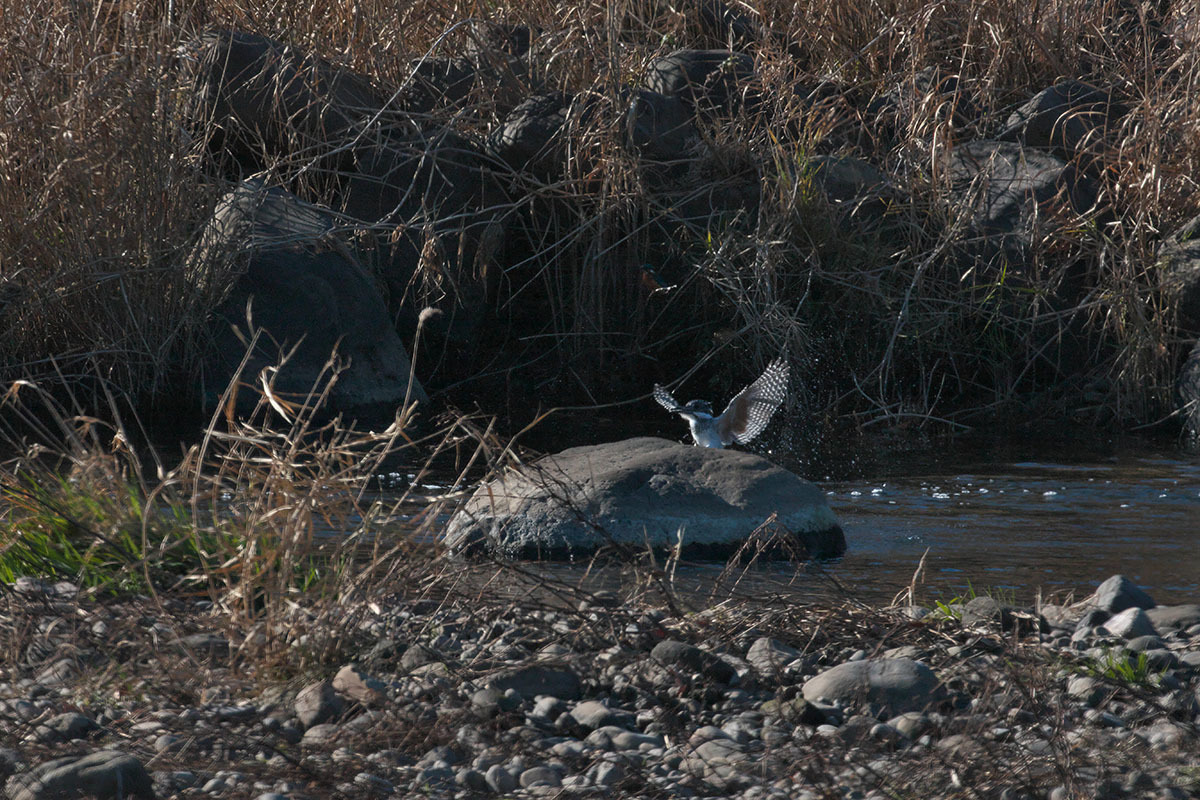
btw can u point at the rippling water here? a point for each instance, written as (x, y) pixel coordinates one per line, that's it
(1025, 526)
(994, 516)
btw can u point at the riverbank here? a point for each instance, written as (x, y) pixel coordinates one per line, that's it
(455, 680)
(944, 216)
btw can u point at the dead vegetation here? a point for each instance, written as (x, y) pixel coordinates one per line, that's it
(107, 186)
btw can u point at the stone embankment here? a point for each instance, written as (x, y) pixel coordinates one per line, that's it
(572, 694)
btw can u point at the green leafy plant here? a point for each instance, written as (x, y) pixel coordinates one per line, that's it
(1118, 664)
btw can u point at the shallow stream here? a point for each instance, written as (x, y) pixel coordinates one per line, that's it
(1018, 527)
(1007, 518)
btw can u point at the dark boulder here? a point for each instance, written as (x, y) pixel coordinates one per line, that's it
(641, 493)
(660, 128)
(1188, 390)
(509, 59)
(103, 774)
(725, 25)
(1179, 262)
(885, 687)
(1116, 594)
(711, 82)
(531, 138)
(858, 191)
(687, 658)
(1014, 196)
(259, 100)
(275, 258)
(433, 83)
(1070, 118)
(433, 207)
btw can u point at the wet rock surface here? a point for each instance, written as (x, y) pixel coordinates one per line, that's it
(569, 695)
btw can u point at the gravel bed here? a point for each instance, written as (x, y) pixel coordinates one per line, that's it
(560, 694)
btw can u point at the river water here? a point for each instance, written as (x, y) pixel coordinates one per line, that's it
(1014, 519)
(1024, 526)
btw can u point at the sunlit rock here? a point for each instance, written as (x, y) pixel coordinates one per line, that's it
(647, 493)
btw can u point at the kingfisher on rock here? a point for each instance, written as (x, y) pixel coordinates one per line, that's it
(745, 417)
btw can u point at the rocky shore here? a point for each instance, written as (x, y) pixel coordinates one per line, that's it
(521, 686)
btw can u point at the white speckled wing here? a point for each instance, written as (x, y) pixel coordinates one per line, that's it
(747, 415)
(665, 399)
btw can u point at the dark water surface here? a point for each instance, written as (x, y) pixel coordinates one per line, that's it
(1026, 525)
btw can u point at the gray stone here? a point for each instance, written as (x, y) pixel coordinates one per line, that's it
(1159, 659)
(356, 684)
(1130, 623)
(235, 713)
(716, 758)
(1141, 643)
(911, 724)
(619, 740)
(487, 700)
(319, 734)
(168, 742)
(540, 776)
(891, 686)
(66, 727)
(660, 128)
(59, 673)
(1117, 594)
(1060, 618)
(530, 682)
(103, 774)
(317, 703)
(471, 779)
(1179, 260)
(770, 656)
(550, 708)
(855, 189)
(983, 610)
(264, 99)
(499, 779)
(418, 655)
(1187, 389)
(1088, 690)
(1174, 618)
(608, 773)
(685, 657)
(530, 139)
(434, 83)
(644, 492)
(593, 714)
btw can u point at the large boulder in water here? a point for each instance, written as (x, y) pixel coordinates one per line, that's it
(645, 492)
(279, 268)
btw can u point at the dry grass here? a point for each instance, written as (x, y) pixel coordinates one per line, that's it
(105, 189)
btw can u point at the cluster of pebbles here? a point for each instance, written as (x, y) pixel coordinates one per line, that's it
(597, 696)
